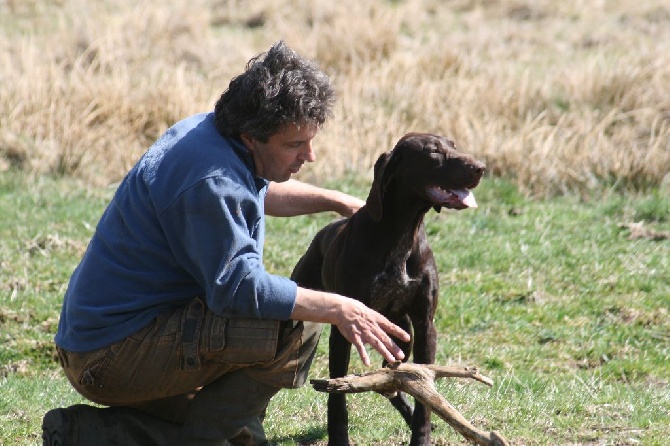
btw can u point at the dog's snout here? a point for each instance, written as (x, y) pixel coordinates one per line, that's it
(477, 168)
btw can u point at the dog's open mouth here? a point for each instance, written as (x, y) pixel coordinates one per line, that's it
(452, 198)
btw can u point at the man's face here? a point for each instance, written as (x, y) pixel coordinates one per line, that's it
(284, 153)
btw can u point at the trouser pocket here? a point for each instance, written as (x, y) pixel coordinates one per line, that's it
(294, 356)
(239, 340)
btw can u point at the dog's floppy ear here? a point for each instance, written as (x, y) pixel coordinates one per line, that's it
(383, 175)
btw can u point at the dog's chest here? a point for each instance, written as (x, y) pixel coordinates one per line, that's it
(392, 291)
(394, 287)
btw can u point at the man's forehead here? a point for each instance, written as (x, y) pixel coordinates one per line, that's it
(296, 131)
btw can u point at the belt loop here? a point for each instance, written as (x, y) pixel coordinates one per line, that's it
(191, 334)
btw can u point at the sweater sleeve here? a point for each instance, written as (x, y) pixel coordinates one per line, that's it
(215, 229)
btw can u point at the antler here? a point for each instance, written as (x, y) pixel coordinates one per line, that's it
(417, 380)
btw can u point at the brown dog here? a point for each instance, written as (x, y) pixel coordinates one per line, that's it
(381, 256)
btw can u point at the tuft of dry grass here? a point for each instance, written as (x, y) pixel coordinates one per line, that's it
(560, 97)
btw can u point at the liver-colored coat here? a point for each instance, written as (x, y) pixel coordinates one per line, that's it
(381, 256)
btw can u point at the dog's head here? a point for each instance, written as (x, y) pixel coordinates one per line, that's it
(431, 169)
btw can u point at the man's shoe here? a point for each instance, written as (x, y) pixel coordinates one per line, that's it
(112, 426)
(58, 427)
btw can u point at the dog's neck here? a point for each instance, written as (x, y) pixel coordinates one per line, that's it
(399, 228)
(401, 220)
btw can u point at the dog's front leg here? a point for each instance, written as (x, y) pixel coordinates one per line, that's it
(425, 344)
(400, 400)
(424, 353)
(338, 363)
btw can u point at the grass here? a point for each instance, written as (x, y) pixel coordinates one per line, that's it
(563, 100)
(548, 298)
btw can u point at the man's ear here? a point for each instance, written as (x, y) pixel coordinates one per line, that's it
(248, 141)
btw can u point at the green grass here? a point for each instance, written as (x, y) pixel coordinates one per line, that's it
(548, 298)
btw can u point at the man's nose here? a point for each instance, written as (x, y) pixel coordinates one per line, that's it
(308, 153)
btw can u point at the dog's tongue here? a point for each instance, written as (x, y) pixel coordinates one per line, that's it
(466, 197)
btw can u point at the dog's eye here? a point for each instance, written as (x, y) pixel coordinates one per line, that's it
(433, 149)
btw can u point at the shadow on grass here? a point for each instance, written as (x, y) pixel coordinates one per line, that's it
(316, 435)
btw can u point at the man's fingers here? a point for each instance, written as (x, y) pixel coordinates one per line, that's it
(396, 331)
(387, 347)
(370, 327)
(395, 354)
(362, 352)
(384, 345)
(390, 353)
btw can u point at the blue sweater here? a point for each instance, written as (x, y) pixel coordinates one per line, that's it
(188, 220)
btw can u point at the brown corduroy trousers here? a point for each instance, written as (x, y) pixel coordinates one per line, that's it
(204, 378)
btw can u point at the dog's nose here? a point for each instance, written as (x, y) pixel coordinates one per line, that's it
(478, 168)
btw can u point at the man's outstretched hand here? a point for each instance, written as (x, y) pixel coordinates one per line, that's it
(358, 323)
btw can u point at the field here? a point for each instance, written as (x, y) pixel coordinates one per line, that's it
(557, 286)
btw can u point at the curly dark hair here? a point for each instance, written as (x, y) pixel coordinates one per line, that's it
(278, 87)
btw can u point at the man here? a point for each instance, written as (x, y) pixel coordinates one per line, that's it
(170, 318)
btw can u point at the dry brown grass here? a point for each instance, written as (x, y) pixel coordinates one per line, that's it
(564, 96)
